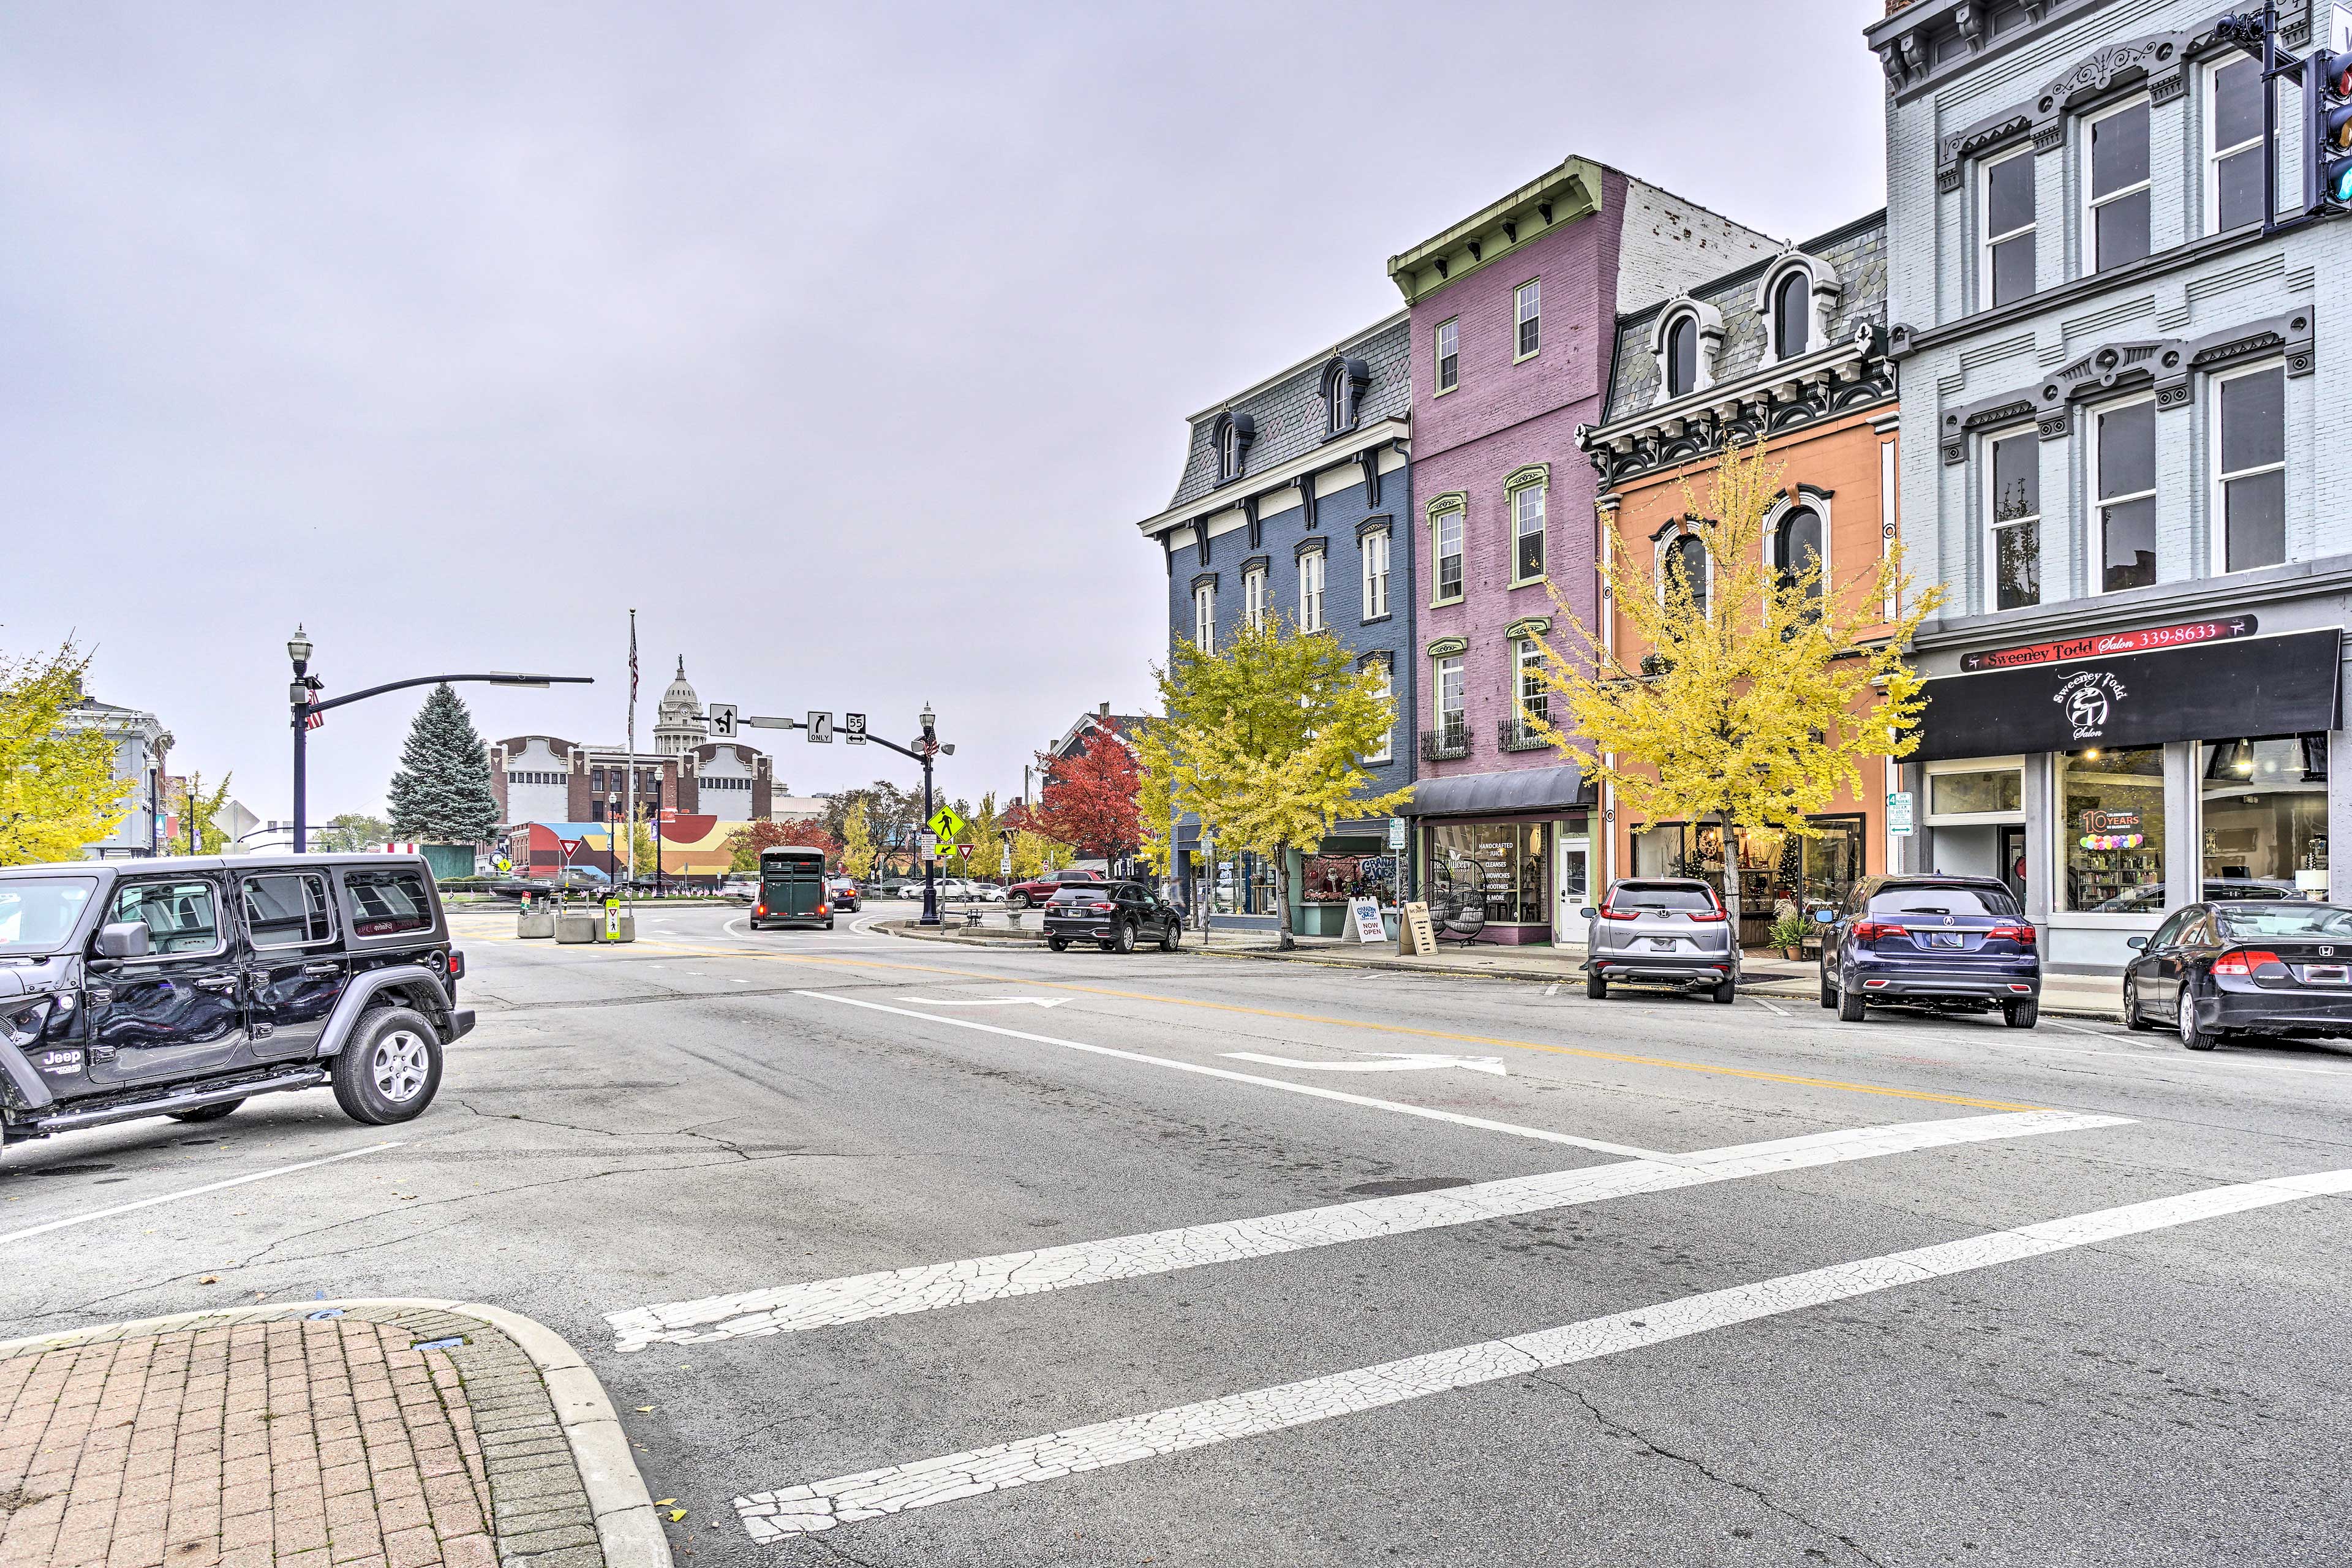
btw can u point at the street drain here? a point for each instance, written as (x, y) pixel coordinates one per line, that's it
(1403, 1184)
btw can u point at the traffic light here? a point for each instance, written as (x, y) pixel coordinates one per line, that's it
(2328, 132)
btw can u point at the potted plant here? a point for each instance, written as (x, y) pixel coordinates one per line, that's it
(1788, 934)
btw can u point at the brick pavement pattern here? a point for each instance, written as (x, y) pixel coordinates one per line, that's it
(288, 1443)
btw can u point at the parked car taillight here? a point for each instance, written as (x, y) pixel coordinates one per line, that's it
(2020, 934)
(2246, 960)
(1609, 914)
(1871, 930)
(1704, 917)
(1106, 908)
(759, 911)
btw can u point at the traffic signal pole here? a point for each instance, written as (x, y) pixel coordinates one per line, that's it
(921, 752)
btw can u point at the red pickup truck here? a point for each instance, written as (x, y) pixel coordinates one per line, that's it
(1021, 895)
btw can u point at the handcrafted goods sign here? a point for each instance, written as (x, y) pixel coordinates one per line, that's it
(2210, 691)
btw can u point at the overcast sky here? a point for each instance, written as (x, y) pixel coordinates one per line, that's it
(844, 343)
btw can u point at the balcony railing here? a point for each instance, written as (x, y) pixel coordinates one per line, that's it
(1516, 734)
(1448, 740)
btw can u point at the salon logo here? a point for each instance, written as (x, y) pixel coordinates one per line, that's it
(2089, 697)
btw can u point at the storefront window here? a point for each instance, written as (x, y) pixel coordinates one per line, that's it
(1338, 879)
(2111, 824)
(2265, 805)
(1497, 866)
(1972, 794)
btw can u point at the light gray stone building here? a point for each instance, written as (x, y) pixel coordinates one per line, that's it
(140, 746)
(2125, 420)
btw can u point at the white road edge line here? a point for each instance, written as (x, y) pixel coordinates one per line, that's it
(895, 1292)
(1426, 1112)
(2078, 1029)
(871, 1494)
(192, 1191)
(1770, 1009)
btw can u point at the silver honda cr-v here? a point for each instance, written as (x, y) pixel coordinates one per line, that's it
(1661, 930)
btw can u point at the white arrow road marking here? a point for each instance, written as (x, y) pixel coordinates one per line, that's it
(194, 1191)
(986, 1001)
(1394, 1062)
(789, 1309)
(870, 1494)
(1425, 1113)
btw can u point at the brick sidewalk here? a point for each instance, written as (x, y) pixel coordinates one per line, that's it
(393, 1441)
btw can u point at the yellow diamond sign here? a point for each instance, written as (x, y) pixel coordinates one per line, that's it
(947, 824)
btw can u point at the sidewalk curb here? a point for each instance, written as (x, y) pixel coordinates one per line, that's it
(628, 1531)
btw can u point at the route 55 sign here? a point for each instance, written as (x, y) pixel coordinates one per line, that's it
(722, 721)
(853, 728)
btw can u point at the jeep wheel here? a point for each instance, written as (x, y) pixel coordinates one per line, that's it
(390, 1069)
(207, 1112)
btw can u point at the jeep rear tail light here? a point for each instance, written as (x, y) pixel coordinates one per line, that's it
(2245, 960)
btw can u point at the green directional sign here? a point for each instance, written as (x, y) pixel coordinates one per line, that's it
(947, 824)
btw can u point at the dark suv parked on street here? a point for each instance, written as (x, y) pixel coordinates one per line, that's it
(184, 986)
(1116, 914)
(1957, 943)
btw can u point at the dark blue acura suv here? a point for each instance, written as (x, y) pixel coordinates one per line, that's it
(1956, 943)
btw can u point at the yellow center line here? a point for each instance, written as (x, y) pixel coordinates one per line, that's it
(1753, 1075)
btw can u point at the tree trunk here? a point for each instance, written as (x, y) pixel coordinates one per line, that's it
(1281, 897)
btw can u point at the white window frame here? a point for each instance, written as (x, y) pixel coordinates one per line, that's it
(1387, 752)
(1449, 331)
(1205, 617)
(1439, 670)
(1229, 451)
(2091, 204)
(1680, 320)
(1802, 277)
(1526, 655)
(1527, 312)
(1437, 521)
(1376, 575)
(1930, 818)
(1987, 239)
(1665, 553)
(1310, 591)
(2094, 544)
(2209, 103)
(2216, 513)
(1991, 501)
(1254, 598)
(1518, 494)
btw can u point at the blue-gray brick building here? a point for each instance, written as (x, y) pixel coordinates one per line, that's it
(2125, 410)
(1296, 499)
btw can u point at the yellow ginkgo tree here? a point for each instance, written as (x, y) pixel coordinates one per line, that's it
(57, 788)
(1751, 697)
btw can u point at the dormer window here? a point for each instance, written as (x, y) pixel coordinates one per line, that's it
(1792, 314)
(1231, 438)
(1682, 356)
(1344, 380)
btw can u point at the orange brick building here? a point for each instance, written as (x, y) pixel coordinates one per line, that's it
(1790, 351)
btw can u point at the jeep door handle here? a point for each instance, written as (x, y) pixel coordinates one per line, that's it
(322, 969)
(222, 985)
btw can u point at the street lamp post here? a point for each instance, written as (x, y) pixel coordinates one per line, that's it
(301, 698)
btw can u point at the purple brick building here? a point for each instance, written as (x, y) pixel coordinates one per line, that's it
(1513, 314)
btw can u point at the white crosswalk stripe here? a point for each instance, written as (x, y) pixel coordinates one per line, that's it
(891, 1292)
(817, 1505)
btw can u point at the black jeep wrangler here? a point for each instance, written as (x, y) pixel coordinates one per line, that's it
(184, 986)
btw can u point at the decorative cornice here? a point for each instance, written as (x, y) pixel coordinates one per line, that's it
(1526, 475)
(1452, 501)
(1370, 438)
(1204, 580)
(1378, 523)
(1561, 195)
(1319, 545)
(1528, 627)
(1445, 647)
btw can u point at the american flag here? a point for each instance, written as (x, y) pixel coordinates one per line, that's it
(633, 658)
(313, 719)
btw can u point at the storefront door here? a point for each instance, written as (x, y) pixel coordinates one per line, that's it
(1573, 887)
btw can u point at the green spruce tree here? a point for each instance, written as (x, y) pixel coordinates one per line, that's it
(442, 792)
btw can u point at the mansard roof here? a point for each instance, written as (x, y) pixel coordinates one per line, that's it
(1289, 411)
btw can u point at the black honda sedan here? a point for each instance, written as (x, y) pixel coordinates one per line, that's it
(2272, 967)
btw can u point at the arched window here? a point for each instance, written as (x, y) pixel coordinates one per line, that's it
(1686, 561)
(1797, 546)
(1231, 436)
(1343, 403)
(1682, 357)
(1792, 313)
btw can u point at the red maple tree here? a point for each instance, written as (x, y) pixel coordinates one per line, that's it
(1088, 800)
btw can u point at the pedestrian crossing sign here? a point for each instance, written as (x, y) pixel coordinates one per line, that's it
(947, 824)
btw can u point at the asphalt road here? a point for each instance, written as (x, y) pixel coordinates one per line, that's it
(1460, 1271)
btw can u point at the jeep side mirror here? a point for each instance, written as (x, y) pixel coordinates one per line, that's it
(124, 938)
(2137, 941)
(1825, 917)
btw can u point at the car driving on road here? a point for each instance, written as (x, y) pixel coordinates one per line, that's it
(1953, 943)
(184, 986)
(1037, 890)
(2217, 970)
(1661, 930)
(1117, 915)
(844, 894)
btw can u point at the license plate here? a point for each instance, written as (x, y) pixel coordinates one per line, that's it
(2327, 973)
(1943, 938)
(1663, 943)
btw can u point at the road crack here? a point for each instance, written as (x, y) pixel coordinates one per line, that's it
(1619, 1429)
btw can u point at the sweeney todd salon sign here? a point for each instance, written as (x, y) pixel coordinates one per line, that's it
(2187, 634)
(2203, 689)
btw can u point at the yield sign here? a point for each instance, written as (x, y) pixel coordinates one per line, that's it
(946, 822)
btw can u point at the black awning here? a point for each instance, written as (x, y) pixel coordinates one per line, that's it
(2256, 686)
(1518, 789)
